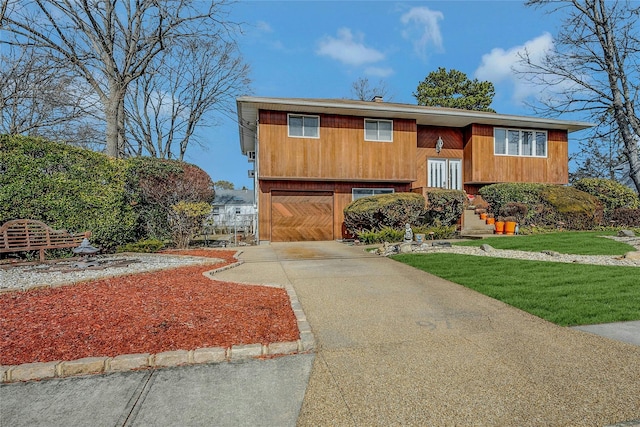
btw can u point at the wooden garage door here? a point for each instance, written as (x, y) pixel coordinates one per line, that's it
(301, 216)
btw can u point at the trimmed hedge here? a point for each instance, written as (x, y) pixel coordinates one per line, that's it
(119, 201)
(546, 205)
(156, 185)
(612, 194)
(625, 217)
(384, 210)
(67, 188)
(445, 207)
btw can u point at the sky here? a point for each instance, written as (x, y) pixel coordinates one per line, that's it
(317, 49)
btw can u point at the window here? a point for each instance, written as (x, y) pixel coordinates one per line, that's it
(515, 142)
(359, 193)
(216, 210)
(378, 130)
(238, 211)
(304, 126)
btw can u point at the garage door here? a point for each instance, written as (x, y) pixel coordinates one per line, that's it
(301, 216)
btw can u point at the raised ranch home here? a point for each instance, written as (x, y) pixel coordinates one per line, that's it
(312, 157)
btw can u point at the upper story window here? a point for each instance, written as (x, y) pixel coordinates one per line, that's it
(304, 126)
(378, 130)
(517, 142)
(359, 193)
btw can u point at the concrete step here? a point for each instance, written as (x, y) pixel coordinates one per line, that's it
(474, 225)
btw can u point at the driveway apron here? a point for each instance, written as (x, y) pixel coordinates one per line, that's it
(397, 346)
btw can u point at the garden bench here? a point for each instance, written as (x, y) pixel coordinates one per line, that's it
(20, 235)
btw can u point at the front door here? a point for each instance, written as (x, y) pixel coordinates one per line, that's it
(444, 173)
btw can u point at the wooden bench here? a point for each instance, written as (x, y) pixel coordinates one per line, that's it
(22, 235)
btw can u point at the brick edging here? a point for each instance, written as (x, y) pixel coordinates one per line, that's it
(129, 362)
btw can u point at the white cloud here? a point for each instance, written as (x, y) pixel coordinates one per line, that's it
(502, 65)
(423, 28)
(264, 27)
(348, 49)
(381, 72)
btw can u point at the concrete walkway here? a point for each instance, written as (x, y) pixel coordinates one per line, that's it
(397, 346)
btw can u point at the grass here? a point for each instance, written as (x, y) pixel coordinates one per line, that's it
(568, 242)
(565, 294)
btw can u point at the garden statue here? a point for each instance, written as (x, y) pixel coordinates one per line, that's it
(408, 233)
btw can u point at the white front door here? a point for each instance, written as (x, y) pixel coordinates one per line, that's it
(444, 173)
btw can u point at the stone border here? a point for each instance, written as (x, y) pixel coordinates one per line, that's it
(130, 362)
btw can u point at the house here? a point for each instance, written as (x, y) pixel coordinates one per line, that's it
(312, 157)
(234, 210)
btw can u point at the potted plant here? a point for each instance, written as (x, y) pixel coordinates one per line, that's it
(490, 219)
(499, 225)
(510, 224)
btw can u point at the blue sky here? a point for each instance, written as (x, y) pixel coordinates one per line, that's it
(317, 49)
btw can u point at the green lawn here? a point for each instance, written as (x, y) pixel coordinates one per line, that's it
(568, 242)
(565, 294)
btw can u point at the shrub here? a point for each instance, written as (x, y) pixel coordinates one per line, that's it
(445, 206)
(67, 188)
(391, 235)
(158, 184)
(498, 195)
(145, 246)
(186, 220)
(516, 210)
(625, 217)
(612, 194)
(384, 210)
(576, 209)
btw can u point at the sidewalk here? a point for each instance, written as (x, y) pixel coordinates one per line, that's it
(396, 346)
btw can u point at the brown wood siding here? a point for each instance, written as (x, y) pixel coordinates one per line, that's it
(341, 198)
(481, 166)
(340, 153)
(452, 139)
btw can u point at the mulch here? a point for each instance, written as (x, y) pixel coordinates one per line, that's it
(177, 309)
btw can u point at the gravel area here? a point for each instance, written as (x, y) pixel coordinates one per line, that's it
(40, 275)
(541, 256)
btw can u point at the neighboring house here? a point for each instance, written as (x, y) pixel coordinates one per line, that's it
(234, 210)
(312, 157)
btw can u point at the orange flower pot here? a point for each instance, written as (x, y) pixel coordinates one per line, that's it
(510, 227)
(499, 227)
(483, 216)
(490, 221)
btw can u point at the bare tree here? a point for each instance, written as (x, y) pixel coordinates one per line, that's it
(38, 100)
(361, 90)
(186, 85)
(109, 43)
(593, 69)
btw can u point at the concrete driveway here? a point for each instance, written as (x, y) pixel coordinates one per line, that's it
(397, 346)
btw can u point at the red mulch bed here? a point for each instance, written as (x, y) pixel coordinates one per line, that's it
(177, 309)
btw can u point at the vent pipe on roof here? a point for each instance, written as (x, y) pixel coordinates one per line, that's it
(378, 98)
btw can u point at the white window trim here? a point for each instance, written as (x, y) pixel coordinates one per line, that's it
(303, 116)
(373, 190)
(534, 143)
(378, 121)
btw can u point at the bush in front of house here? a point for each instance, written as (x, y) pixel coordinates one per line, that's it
(612, 194)
(498, 195)
(625, 217)
(545, 205)
(444, 206)
(66, 187)
(393, 235)
(384, 210)
(575, 209)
